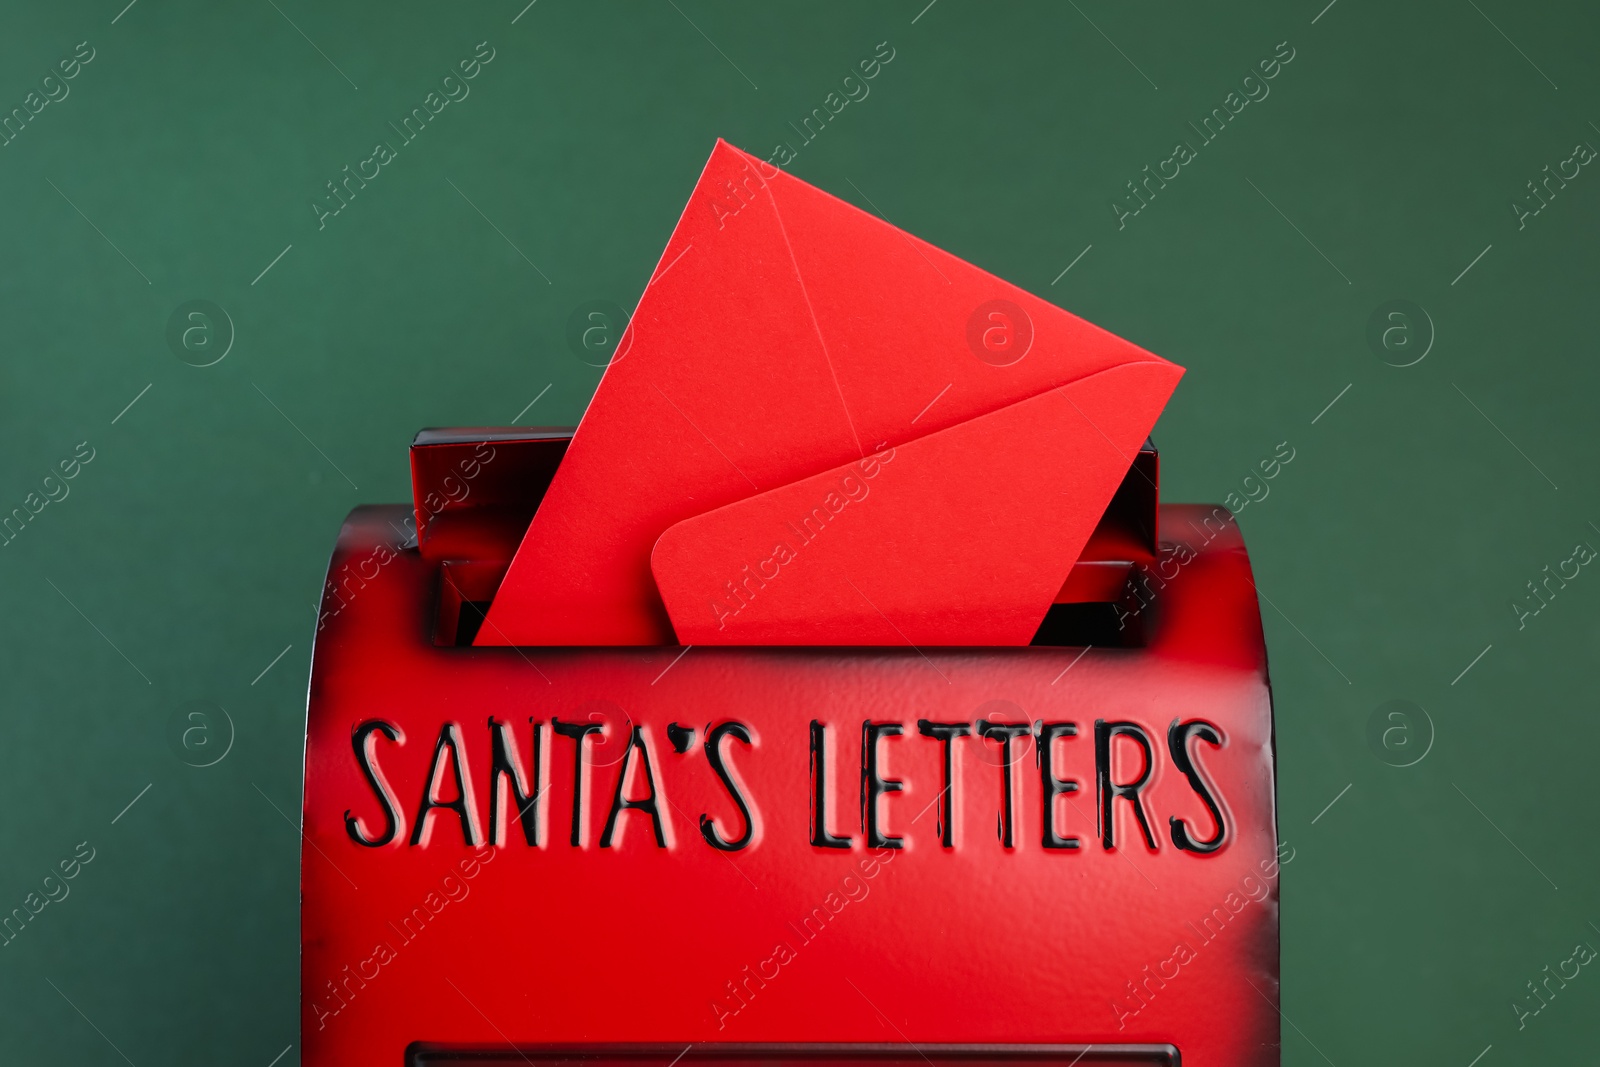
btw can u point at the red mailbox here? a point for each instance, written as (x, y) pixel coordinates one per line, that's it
(661, 742)
(1056, 854)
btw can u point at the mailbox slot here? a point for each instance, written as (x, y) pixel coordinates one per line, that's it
(818, 1055)
(475, 490)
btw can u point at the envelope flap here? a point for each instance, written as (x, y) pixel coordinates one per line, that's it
(961, 537)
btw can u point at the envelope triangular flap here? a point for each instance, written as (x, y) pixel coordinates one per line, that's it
(785, 334)
(961, 537)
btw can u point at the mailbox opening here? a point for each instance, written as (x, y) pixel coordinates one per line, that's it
(475, 490)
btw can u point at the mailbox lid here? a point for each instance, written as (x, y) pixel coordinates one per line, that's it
(454, 942)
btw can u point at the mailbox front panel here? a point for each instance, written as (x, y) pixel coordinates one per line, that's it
(551, 855)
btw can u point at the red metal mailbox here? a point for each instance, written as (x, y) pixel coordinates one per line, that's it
(1057, 854)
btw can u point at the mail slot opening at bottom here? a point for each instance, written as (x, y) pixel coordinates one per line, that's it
(814, 1055)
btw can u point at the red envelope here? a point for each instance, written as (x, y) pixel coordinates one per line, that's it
(827, 432)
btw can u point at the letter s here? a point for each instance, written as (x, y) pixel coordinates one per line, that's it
(362, 742)
(1178, 735)
(78, 451)
(79, 52)
(479, 52)
(713, 747)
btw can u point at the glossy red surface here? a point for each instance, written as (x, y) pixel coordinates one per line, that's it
(974, 944)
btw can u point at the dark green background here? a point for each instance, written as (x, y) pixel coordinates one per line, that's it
(1396, 541)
